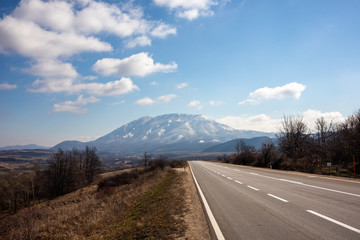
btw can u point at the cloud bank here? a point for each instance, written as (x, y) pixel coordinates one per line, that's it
(265, 123)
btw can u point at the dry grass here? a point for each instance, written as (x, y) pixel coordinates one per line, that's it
(78, 215)
(157, 215)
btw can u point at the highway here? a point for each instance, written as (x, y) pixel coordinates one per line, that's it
(256, 203)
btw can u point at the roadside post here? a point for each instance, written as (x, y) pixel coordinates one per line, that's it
(354, 165)
(329, 165)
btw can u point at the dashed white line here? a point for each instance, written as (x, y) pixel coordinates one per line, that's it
(223, 175)
(299, 183)
(253, 188)
(229, 178)
(278, 198)
(334, 221)
(238, 182)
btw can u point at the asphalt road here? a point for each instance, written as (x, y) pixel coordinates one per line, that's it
(255, 203)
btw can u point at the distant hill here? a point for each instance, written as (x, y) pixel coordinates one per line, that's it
(165, 133)
(230, 145)
(21, 147)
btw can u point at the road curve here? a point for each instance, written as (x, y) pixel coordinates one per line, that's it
(255, 203)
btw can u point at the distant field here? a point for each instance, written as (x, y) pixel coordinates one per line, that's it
(21, 159)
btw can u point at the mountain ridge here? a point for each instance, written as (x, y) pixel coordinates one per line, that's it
(165, 133)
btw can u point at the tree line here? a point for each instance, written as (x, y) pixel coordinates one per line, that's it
(65, 172)
(299, 148)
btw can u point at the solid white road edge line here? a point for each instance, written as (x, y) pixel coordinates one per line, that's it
(253, 188)
(334, 221)
(278, 198)
(214, 224)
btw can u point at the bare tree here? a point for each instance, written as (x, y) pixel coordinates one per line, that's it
(245, 153)
(268, 153)
(293, 138)
(92, 163)
(238, 147)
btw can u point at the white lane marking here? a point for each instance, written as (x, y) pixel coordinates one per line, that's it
(214, 224)
(253, 188)
(223, 175)
(256, 174)
(238, 182)
(302, 184)
(331, 190)
(285, 180)
(229, 178)
(278, 198)
(334, 221)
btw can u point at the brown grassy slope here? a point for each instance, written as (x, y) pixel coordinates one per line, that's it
(157, 215)
(162, 204)
(78, 215)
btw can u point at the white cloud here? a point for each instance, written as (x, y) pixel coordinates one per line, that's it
(122, 86)
(290, 90)
(140, 64)
(195, 104)
(259, 122)
(162, 30)
(215, 103)
(49, 32)
(145, 101)
(141, 41)
(75, 106)
(181, 85)
(161, 99)
(6, 86)
(154, 83)
(310, 116)
(30, 40)
(47, 14)
(52, 68)
(166, 98)
(87, 17)
(264, 123)
(189, 9)
(118, 103)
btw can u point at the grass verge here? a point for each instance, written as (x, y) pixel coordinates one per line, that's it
(157, 215)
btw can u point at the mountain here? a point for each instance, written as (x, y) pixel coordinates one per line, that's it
(21, 147)
(165, 133)
(230, 145)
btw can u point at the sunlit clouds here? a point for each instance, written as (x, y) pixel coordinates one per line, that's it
(140, 64)
(162, 99)
(50, 33)
(75, 106)
(265, 123)
(290, 90)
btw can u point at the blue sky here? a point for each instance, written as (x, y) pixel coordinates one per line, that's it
(78, 69)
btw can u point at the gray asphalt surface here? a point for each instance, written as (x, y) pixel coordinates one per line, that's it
(255, 203)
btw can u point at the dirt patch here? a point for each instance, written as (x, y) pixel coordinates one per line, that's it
(194, 218)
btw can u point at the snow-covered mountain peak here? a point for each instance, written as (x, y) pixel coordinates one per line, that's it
(169, 132)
